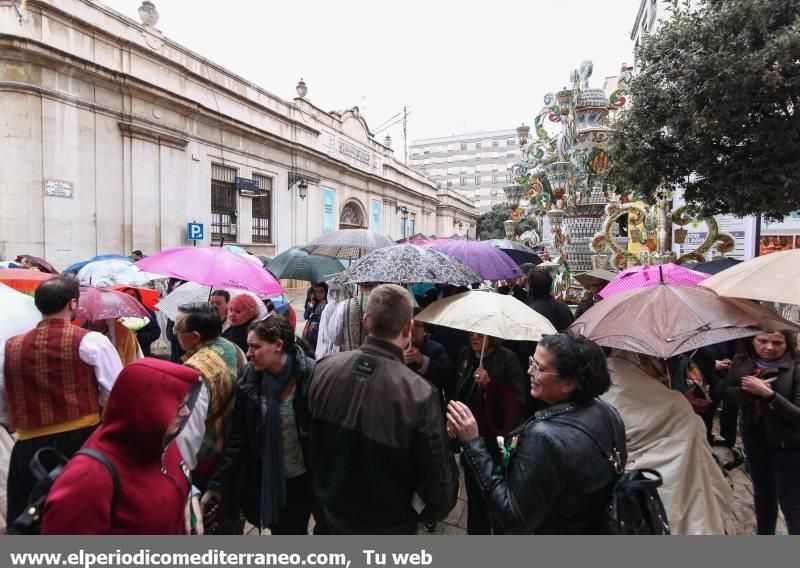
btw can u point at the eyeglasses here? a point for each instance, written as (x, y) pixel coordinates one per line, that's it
(536, 370)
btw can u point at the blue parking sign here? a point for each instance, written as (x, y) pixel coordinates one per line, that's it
(194, 231)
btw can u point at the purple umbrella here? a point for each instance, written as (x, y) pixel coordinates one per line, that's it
(486, 261)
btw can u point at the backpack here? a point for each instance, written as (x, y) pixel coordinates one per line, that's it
(635, 507)
(46, 465)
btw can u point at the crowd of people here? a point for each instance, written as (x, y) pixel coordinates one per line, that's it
(361, 422)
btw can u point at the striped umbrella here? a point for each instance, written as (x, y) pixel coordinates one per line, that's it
(348, 243)
(642, 276)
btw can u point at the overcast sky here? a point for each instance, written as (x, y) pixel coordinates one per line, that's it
(460, 66)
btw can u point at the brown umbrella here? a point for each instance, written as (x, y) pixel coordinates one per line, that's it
(37, 262)
(586, 278)
(666, 320)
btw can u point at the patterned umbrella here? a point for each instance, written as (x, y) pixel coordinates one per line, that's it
(348, 243)
(518, 252)
(641, 276)
(191, 293)
(487, 261)
(104, 303)
(665, 320)
(297, 264)
(408, 264)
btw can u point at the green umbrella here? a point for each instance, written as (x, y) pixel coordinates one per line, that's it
(297, 264)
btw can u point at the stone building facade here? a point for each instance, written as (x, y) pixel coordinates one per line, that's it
(115, 138)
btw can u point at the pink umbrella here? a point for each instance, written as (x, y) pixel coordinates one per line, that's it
(641, 276)
(212, 266)
(104, 303)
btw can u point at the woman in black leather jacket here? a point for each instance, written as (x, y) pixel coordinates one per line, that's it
(765, 383)
(556, 480)
(265, 465)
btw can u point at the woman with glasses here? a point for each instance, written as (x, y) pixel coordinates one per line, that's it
(555, 479)
(490, 383)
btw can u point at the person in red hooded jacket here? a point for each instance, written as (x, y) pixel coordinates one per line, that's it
(150, 403)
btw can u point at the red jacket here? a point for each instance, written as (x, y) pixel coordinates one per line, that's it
(142, 405)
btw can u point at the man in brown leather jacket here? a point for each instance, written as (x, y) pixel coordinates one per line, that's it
(379, 447)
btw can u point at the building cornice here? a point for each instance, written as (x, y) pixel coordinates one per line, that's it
(152, 135)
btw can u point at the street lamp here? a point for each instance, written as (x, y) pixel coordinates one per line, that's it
(302, 186)
(522, 133)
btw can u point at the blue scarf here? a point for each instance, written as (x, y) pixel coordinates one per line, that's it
(273, 471)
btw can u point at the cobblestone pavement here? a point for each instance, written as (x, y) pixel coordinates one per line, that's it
(743, 519)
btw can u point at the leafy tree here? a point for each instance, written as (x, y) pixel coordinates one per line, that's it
(490, 224)
(714, 109)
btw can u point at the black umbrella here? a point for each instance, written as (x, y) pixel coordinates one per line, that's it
(518, 252)
(716, 266)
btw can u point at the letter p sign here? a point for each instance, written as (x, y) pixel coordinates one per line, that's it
(195, 231)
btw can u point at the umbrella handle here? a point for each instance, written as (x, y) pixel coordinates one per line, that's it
(483, 349)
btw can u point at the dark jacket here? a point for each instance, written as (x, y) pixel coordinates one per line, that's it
(557, 480)
(557, 312)
(440, 370)
(519, 292)
(377, 439)
(149, 333)
(237, 474)
(782, 415)
(584, 305)
(237, 334)
(501, 409)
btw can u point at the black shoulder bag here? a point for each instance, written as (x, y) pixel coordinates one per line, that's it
(46, 465)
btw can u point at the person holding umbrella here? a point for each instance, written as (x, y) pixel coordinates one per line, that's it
(593, 281)
(490, 382)
(765, 382)
(313, 312)
(556, 481)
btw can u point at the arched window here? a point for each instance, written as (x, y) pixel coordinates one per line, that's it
(352, 216)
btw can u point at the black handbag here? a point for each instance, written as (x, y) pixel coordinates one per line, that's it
(46, 465)
(635, 507)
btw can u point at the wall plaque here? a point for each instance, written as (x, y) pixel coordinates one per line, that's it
(58, 188)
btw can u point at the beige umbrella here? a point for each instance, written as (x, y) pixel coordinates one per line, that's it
(488, 313)
(773, 277)
(666, 320)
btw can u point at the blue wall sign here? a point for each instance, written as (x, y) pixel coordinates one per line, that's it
(195, 231)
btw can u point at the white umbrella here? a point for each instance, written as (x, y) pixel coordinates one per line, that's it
(348, 243)
(191, 293)
(773, 277)
(102, 272)
(132, 276)
(19, 313)
(488, 313)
